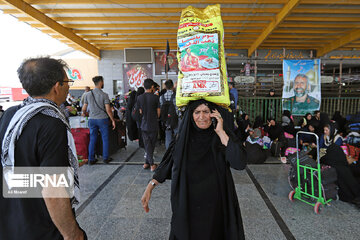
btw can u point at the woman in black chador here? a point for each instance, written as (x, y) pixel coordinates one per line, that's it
(203, 197)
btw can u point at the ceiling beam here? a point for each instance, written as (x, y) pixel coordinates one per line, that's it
(171, 40)
(174, 31)
(175, 19)
(153, 31)
(286, 24)
(147, 18)
(39, 16)
(178, 10)
(312, 2)
(56, 2)
(324, 19)
(144, 25)
(342, 41)
(140, 10)
(155, 36)
(285, 11)
(175, 25)
(306, 31)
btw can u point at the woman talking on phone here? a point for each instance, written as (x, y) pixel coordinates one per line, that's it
(203, 197)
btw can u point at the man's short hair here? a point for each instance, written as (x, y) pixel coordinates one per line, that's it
(39, 75)
(169, 84)
(148, 83)
(97, 79)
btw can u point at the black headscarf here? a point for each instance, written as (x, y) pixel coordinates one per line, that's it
(259, 122)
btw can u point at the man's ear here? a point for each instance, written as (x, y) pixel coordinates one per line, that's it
(56, 88)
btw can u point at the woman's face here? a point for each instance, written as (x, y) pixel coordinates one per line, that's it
(311, 128)
(308, 117)
(326, 131)
(202, 117)
(246, 117)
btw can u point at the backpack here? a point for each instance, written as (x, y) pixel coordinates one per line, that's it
(135, 113)
(168, 115)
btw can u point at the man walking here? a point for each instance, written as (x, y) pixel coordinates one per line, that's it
(82, 99)
(36, 134)
(169, 116)
(99, 103)
(149, 108)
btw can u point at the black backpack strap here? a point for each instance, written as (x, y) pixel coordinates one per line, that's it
(172, 97)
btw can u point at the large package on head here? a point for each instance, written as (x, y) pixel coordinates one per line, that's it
(201, 57)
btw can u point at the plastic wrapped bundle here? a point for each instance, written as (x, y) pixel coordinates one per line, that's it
(201, 57)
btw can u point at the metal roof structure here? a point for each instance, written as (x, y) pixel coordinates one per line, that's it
(95, 25)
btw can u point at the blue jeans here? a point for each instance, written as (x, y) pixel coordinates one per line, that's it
(95, 125)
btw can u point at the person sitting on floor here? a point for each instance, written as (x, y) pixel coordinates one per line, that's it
(307, 140)
(287, 123)
(330, 136)
(349, 186)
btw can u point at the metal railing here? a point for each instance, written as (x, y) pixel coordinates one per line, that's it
(262, 106)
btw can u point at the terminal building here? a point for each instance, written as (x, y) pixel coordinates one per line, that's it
(125, 40)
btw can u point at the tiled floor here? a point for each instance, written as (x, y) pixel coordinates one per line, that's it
(111, 207)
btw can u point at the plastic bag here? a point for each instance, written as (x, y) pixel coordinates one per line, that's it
(201, 57)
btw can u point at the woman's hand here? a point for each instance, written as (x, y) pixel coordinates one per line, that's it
(220, 127)
(145, 199)
(147, 195)
(220, 122)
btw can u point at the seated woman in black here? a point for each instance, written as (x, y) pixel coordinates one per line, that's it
(287, 123)
(349, 186)
(243, 127)
(307, 140)
(203, 196)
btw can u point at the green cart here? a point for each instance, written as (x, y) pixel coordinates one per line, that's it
(308, 181)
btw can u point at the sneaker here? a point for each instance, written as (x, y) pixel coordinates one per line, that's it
(146, 166)
(106, 161)
(283, 159)
(92, 162)
(153, 167)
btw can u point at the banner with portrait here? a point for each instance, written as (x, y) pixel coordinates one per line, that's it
(302, 86)
(160, 60)
(134, 75)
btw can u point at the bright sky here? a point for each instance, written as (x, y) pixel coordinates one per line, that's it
(19, 41)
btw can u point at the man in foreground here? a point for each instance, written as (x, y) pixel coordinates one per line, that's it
(36, 134)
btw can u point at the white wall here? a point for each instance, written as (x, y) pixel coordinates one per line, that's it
(110, 67)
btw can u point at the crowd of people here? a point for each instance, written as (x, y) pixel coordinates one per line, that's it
(278, 139)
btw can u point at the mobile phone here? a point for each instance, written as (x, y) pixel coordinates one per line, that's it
(214, 122)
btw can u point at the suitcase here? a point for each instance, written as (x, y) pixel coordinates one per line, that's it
(121, 134)
(81, 138)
